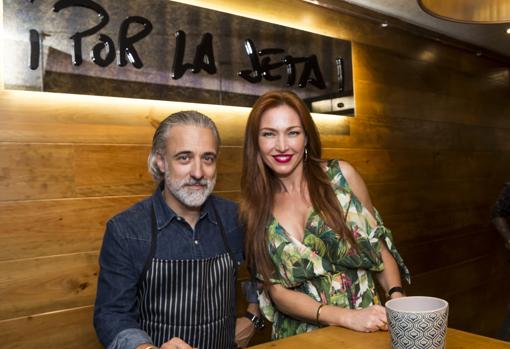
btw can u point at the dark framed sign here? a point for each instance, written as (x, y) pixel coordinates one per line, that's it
(158, 49)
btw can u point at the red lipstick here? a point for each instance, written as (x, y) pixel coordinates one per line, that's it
(283, 158)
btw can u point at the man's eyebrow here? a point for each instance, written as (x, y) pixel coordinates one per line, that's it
(184, 152)
(209, 153)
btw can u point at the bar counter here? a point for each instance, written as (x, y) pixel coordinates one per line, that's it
(337, 337)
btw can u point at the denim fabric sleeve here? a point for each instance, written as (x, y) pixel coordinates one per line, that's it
(250, 291)
(130, 339)
(116, 310)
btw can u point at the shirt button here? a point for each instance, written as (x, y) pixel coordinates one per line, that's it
(196, 242)
(179, 218)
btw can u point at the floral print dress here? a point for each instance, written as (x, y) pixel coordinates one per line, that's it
(324, 266)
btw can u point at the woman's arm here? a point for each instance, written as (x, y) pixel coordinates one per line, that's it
(303, 307)
(390, 276)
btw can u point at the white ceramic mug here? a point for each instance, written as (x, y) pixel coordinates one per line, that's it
(417, 322)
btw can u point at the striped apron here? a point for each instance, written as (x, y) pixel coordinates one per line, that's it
(189, 299)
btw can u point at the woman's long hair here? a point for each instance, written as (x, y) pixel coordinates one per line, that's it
(259, 184)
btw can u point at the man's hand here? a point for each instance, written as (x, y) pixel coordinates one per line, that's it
(244, 331)
(176, 343)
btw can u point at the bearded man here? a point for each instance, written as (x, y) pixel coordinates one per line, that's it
(168, 264)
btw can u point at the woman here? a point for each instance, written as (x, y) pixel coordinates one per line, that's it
(312, 234)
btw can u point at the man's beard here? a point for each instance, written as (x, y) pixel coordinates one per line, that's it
(190, 197)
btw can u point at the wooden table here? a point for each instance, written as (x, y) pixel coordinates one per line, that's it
(337, 337)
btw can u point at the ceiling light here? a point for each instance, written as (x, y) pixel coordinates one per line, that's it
(508, 31)
(384, 24)
(468, 11)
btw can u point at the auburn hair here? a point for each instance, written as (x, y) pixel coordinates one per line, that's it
(259, 184)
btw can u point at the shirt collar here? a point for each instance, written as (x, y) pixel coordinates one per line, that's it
(165, 215)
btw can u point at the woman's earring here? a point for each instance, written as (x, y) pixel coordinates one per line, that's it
(306, 154)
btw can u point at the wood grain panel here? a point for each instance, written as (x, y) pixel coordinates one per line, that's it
(46, 171)
(404, 133)
(383, 165)
(32, 286)
(383, 66)
(104, 170)
(70, 329)
(429, 254)
(415, 196)
(410, 227)
(458, 277)
(35, 171)
(379, 99)
(52, 227)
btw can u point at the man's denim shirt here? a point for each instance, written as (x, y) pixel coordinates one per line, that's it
(126, 247)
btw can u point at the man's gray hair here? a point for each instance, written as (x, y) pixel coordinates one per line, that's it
(189, 117)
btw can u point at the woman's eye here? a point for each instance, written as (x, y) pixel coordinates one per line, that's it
(267, 134)
(294, 133)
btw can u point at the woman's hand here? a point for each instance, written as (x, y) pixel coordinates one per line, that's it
(369, 319)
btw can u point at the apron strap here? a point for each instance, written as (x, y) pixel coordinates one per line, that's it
(224, 237)
(152, 250)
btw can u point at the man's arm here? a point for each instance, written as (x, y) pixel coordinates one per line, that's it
(115, 311)
(245, 329)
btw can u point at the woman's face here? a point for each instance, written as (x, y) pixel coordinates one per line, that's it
(282, 140)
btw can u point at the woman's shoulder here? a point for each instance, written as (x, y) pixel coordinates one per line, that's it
(354, 181)
(339, 172)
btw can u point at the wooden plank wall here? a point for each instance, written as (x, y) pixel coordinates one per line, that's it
(431, 137)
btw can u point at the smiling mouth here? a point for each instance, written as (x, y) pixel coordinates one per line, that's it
(282, 159)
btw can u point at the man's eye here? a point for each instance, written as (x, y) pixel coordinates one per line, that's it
(183, 158)
(209, 158)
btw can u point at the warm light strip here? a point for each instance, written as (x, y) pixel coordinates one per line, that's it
(290, 13)
(119, 102)
(1, 45)
(53, 98)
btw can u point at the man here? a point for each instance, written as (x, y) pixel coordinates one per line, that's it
(501, 215)
(168, 264)
(501, 221)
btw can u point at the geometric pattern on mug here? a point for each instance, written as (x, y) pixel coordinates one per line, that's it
(418, 331)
